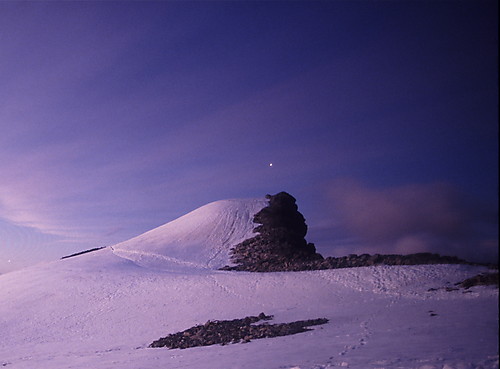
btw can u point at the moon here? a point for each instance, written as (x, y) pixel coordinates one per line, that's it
(270, 164)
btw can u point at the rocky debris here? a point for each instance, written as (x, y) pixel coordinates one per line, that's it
(223, 332)
(487, 279)
(351, 261)
(354, 260)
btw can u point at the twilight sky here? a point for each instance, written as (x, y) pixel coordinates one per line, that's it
(381, 118)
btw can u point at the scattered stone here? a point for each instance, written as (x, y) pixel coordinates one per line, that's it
(487, 279)
(223, 332)
(351, 261)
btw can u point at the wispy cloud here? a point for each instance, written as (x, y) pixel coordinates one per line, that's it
(416, 218)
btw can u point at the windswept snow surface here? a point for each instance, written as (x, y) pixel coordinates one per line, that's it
(101, 310)
(201, 238)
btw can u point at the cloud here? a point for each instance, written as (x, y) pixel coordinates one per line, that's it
(434, 217)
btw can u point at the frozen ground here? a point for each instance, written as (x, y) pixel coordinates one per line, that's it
(102, 309)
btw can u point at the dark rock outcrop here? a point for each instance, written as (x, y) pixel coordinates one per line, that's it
(487, 279)
(354, 260)
(351, 261)
(280, 245)
(222, 332)
(484, 279)
(280, 241)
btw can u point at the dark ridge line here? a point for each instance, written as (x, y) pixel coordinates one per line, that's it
(352, 261)
(82, 252)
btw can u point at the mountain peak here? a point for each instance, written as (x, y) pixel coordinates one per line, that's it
(201, 239)
(280, 239)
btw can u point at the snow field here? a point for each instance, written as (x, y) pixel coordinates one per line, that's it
(68, 315)
(102, 309)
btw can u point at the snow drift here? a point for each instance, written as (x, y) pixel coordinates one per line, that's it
(100, 310)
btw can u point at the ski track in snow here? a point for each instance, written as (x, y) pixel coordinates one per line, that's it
(101, 310)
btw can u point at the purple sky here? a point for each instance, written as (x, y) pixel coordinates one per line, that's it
(381, 118)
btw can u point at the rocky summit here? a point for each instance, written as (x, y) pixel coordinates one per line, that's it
(280, 245)
(280, 241)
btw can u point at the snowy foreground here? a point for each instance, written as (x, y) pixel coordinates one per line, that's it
(102, 309)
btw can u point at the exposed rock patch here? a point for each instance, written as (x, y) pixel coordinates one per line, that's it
(222, 332)
(354, 260)
(487, 279)
(351, 261)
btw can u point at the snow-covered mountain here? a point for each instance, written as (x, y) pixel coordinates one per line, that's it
(102, 309)
(199, 239)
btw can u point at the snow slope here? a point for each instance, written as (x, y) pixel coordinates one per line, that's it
(201, 238)
(102, 309)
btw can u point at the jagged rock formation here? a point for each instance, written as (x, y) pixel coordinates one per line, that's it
(281, 246)
(280, 241)
(223, 332)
